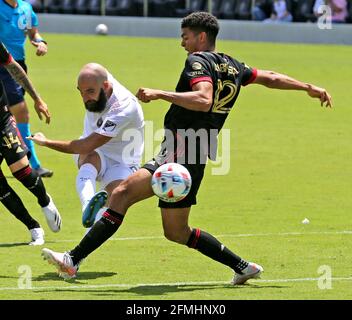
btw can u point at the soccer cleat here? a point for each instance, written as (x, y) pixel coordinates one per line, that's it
(37, 235)
(92, 208)
(62, 261)
(43, 172)
(52, 216)
(253, 271)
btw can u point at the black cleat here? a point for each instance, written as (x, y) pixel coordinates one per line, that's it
(43, 172)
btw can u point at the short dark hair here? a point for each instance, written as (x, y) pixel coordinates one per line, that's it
(202, 22)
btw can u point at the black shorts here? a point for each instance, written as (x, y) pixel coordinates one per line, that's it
(12, 147)
(197, 173)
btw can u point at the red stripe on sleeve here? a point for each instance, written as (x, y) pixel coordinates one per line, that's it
(9, 60)
(200, 79)
(196, 238)
(252, 78)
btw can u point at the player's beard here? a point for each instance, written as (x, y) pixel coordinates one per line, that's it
(99, 105)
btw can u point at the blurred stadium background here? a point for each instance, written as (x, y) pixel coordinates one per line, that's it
(302, 10)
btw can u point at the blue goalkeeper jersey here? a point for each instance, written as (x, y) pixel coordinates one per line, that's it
(14, 22)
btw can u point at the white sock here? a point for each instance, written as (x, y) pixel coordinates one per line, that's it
(85, 183)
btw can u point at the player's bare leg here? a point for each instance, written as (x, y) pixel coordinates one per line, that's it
(18, 165)
(176, 228)
(92, 158)
(110, 188)
(175, 224)
(135, 188)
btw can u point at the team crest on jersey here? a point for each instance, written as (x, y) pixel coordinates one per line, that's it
(25, 19)
(196, 66)
(19, 149)
(99, 122)
(109, 126)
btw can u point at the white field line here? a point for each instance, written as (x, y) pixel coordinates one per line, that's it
(280, 234)
(346, 232)
(168, 284)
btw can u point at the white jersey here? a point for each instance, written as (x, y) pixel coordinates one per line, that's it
(123, 121)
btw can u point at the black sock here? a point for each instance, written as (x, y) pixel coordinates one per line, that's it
(33, 182)
(101, 231)
(211, 247)
(14, 204)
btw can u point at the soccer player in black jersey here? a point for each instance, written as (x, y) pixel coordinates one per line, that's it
(14, 151)
(206, 92)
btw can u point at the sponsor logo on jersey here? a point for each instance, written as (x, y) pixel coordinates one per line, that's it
(196, 73)
(196, 66)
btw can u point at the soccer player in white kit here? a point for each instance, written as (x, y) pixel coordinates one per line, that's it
(112, 143)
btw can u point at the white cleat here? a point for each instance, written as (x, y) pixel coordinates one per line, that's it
(37, 235)
(253, 271)
(62, 261)
(52, 216)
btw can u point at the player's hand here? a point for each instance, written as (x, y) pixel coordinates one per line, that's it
(38, 138)
(146, 94)
(41, 108)
(42, 48)
(320, 93)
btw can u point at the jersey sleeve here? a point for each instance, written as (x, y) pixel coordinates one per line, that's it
(5, 56)
(113, 123)
(86, 127)
(249, 74)
(196, 70)
(35, 21)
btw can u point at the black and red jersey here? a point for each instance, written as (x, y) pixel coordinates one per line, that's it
(226, 74)
(5, 58)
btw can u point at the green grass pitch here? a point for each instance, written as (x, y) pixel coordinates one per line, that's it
(290, 160)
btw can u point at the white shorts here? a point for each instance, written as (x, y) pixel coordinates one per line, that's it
(110, 170)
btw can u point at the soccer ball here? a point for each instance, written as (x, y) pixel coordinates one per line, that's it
(171, 182)
(101, 29)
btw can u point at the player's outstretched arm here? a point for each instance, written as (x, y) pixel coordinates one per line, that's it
(21, 78)
(79, 146)
(276, 80)
(199, 99)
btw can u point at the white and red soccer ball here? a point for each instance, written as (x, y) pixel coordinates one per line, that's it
(171, 182)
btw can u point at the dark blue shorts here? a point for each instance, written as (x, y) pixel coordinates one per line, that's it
(14, 92)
